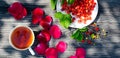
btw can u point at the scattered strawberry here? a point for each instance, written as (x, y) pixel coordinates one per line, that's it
(55, 31)
(48, 19)
(80, 52)
(17, 10)
(61, 46)
(44, 36)
(46, 22)
(37, 15)
(51, 52)
(36, 19)
(38, 11)
(41, 48)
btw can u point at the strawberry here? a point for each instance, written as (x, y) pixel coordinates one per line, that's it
(51, 52)
(37, 15)
(17, 10)
(36, 19)
(80, 52)
(46, 22)
(44, 36)
(38, 11)
(41, 48)
(55, 31)
(61, 46)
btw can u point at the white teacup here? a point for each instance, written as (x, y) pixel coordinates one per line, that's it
(22, 38)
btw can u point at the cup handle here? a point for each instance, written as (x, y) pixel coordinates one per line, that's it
(31, 51)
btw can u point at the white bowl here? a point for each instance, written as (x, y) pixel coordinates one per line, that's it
(75, 24)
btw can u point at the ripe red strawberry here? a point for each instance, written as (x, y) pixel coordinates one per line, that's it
(46, 22)
(38, 11)
(36, 19)
(48, 19)
(55, 31)
(51, 52)
(37, 15)
(41, 48)
(61, 46)
(17, 11)
(44, 36)
(80, 52)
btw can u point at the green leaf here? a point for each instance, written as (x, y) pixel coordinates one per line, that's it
(58, 15)
(65, 22)
(84, 29)
(53, 4)
(62, 1)
(80, 37)
(65, 19)
(70, 1)
(77, 35)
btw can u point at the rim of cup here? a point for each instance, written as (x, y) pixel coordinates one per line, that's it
(11, 35)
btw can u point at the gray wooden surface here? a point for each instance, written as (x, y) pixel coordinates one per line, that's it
(108, 18)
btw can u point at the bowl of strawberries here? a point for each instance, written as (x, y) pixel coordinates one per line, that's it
(83, 12)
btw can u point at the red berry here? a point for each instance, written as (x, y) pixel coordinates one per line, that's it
(37, 15)
(17, 10)
(45, 24)
(55, 31)
(38, 12)
(80, 52)
(96, 29)
(36, 19)
(51, 52)
(48, 19)
(88, 32)
(61, 46)
(83, 41)
(41, 48)
(44, 36)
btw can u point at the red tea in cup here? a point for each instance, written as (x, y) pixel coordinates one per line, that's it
(21, 37)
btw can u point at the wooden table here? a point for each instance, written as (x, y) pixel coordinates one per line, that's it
(108, 18)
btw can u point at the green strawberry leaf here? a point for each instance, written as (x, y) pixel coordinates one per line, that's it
(84, 29)
(77, 35)
(70, 1)
(53, 4)
(62, 1)
(58, 15)
(80, 37)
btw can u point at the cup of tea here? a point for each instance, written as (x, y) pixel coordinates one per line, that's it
(22, 38)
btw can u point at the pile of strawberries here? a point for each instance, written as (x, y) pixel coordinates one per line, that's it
(80, 8)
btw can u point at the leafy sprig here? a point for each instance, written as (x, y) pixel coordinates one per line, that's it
(65, 19)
